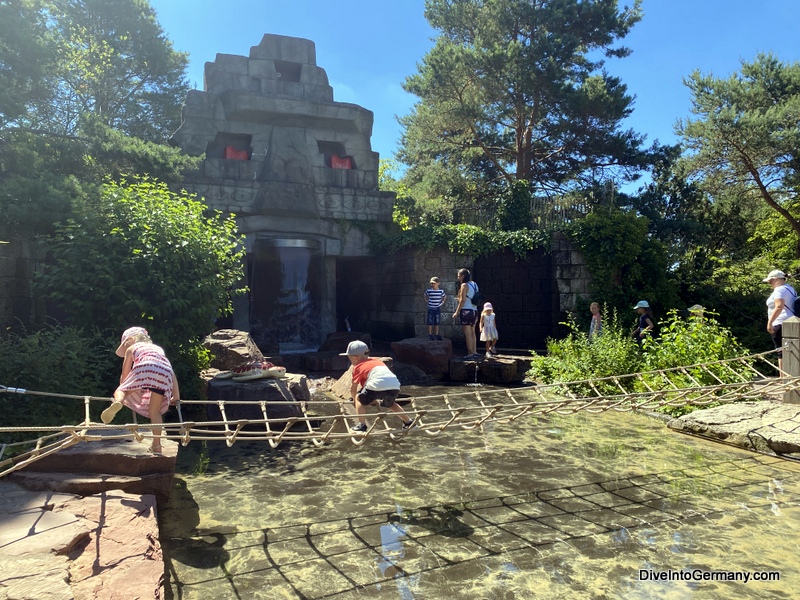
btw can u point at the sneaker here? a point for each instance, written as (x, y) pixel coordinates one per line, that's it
(360, 428)
(108, 414)
(409, 424)
(431, 338)
(438, 338)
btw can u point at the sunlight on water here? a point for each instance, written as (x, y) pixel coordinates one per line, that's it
(563, 507)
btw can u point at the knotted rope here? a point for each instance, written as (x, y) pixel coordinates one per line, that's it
(723, 381)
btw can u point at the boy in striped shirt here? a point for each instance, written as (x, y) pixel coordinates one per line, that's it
(435, 298)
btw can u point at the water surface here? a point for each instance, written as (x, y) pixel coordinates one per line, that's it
(577, 506)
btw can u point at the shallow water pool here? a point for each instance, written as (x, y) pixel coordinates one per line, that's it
(610, 505)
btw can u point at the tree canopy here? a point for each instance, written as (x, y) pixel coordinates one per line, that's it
(746, 137)
(25, 53)
(516, 90)
(108, 58)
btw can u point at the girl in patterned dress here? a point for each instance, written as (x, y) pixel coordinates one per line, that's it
(147, 385)
(488, 329)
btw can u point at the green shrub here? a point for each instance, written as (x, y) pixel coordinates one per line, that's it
(698, 340)
(681, 343)
(64, 360)
(575, 357)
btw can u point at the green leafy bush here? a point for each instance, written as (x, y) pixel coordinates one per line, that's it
(576, 357)
(463, 239)
(64, 360)
(140, 254)
(698, 340)
(681, 343)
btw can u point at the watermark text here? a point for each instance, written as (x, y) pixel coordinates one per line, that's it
(701, 575)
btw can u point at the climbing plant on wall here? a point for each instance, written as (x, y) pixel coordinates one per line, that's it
(626, 263)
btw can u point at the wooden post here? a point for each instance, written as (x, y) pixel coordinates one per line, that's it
(791, 355)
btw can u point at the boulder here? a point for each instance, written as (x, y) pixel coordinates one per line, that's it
(341, 389)
(409, 374)
(338, 340)
(484, 370)
(231, 348)
(524, 364)
(432, 356)
(298, 386)
(325, 361)
(256, 390)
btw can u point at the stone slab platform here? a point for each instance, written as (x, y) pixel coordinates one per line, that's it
(499, 368)
(766, 426)
(91, 467)
(61, 546)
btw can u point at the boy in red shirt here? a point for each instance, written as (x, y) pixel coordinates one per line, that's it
(377, 383)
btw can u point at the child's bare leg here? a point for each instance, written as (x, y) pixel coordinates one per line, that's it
(396, 408)
(155, 417)
(361, 410)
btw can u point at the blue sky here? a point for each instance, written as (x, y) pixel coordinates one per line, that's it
(368, 47)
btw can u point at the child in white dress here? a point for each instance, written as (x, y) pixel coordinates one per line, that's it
(488, 328)
(147, 385)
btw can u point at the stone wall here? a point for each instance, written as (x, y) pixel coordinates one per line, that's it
(571, 274)
(524, 295)
(383, 295)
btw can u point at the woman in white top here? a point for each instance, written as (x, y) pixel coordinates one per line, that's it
(780, 306)
(466, 311)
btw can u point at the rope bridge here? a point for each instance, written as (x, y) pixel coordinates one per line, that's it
(322, 421)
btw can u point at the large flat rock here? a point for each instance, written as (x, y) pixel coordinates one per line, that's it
(493, 369)
(766, 426)
(61, 546)
(88, 468)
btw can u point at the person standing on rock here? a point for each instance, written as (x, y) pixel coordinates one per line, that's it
(435, 298)
(147, 385)
(377, 383)
(780, 306)
(467, 311)
(488, 328)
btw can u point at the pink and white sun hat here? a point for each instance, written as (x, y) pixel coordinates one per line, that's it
(127, 334)
(488, 306)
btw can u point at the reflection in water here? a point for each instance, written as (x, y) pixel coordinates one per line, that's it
(511, 512)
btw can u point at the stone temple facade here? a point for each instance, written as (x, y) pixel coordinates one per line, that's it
(296, 168)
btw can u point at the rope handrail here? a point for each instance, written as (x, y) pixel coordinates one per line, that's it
(468, 410)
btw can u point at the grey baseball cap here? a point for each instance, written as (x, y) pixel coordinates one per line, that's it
(356, 348)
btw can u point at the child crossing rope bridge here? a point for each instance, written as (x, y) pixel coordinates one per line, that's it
(323, 421)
